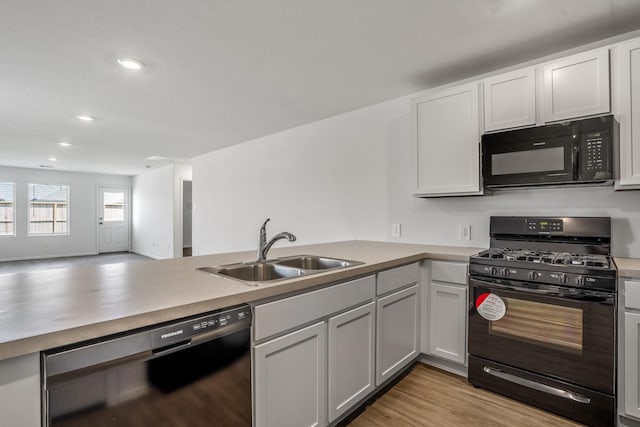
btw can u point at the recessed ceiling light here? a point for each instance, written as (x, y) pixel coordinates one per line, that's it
(65, 144)
(131, 63)
(85, 118)
(53, 159)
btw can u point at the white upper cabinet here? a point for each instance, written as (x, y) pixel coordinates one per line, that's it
(510, 100)
(627, 91)
(445, 142)
(577, 86)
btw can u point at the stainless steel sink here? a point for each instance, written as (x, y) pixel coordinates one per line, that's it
(254, 273)
(312, 262)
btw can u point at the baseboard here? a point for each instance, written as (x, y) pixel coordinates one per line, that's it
(29, 258)
(445, 365)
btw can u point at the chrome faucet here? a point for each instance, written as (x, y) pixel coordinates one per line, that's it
(264, 246)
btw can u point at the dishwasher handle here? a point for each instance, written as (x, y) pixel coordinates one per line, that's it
(66, 364)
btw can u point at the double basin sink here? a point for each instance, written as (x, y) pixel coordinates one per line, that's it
(254, 273)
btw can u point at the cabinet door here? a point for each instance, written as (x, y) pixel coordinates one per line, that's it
(577, 86)
(631, 364)
(510, 100)
(397, 332)
(445, 142)
(448, 321)
(290, 375)
(351, 358)
(628, 114)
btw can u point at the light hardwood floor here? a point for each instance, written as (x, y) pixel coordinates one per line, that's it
(431, 397)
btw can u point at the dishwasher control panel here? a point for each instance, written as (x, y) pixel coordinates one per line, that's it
(185, 330)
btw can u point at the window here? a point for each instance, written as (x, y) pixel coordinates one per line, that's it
(7, 209)
(48, 209)
(113, 209)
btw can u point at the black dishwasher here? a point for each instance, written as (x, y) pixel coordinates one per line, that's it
(191, 372)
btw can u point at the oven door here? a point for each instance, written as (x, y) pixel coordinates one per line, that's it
(565, 333)
(540, 161)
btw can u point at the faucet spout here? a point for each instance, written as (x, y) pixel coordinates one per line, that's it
(264, 246)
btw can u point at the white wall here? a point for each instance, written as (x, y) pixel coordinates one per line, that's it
(82, 239)
(153, 212)
(322, 182)
(157, 211)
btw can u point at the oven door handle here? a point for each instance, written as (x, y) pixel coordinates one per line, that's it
(537, 386)
(591, 296)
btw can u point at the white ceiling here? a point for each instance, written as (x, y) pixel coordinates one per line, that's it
(220, 72)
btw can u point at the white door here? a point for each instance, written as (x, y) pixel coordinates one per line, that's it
(448, 320)
(631, 364)
(628, 112)
(397, 318)
(113, 219)
(446, 142)
(510, 100)
(577, 86)
(351, 358)
(290, 379)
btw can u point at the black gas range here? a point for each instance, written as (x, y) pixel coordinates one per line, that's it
(542, 315)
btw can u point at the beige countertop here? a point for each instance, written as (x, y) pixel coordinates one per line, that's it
(627, 267)
(49, 308)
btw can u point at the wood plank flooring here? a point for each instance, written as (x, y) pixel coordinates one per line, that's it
(431, 397)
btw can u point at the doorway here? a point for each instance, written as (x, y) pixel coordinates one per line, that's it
(113, 219)
(187, 214)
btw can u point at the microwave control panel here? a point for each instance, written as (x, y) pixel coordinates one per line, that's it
(596, 155)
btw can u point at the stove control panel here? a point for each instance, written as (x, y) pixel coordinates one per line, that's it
(545, 225)
(544, 276)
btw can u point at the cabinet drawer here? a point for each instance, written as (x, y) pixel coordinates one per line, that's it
(632, 294)
(396, 278)
(452, 272)
(285, 314)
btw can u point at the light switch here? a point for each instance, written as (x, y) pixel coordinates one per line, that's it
(395, 230)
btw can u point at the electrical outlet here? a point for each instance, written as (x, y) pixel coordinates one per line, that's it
(464, 232)
(395, 230)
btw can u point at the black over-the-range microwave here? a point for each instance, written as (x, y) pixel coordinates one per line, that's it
(576, 152)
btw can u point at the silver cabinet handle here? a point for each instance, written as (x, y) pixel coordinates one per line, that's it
(536, 385)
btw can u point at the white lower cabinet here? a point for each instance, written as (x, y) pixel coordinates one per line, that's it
(447, 320)
(631, 364)
(291, 384)
(351, 358)
(397, 321)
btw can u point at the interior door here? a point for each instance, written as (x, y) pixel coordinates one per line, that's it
(113, 219)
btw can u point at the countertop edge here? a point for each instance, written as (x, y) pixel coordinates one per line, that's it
(37, 343)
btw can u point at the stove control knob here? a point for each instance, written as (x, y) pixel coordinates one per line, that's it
(562, 278)
(580, 280)
(504, 272)
(493, 271)
(533, 275)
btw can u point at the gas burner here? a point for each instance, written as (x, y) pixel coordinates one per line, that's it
(547, 257)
